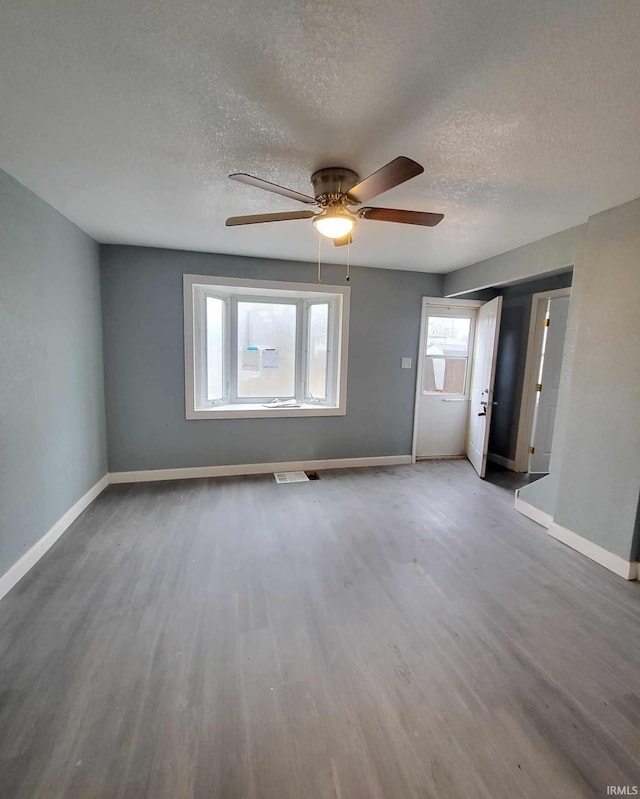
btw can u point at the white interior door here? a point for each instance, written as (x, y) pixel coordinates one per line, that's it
(443, 399)
(549, 378)
(482, 379)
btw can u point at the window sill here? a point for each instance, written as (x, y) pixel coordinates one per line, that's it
(258, 411)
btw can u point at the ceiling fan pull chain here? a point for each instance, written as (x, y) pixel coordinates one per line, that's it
(348, 260)
(319, 278)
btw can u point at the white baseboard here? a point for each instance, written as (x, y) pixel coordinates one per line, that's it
(192, 472)
(616, 564)
(624, 568)
(17, 571)
(537, 515)
(508, 463)
(440, 458)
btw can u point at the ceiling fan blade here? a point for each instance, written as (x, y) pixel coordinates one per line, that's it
(348, 239)
(406, 217)
(250, 180)
(255, 219)
(393, 174)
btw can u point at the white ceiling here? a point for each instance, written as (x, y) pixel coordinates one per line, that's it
(127, 117)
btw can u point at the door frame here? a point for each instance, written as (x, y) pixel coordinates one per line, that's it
(527, 402)
(443, 302)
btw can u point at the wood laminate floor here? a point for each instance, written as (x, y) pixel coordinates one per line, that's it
(395, 633)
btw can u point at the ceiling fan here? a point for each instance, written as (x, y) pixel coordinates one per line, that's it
(339, 193)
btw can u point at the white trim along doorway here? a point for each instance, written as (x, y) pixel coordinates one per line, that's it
(441, 410)
(532, 382)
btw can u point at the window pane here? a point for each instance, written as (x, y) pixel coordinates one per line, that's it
(448, 335)
(266, 349)
(446, 375)
(445, 365)
(317, 351)
(215, 338)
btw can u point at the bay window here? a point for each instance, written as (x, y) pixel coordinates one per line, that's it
(260, 348)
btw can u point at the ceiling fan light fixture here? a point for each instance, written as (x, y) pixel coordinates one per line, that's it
(334, 223)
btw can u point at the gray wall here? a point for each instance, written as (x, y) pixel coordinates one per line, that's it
(552, 254)
(511, 359)
(52, 421)
(594, 481)
(599, 470)
(144, 365)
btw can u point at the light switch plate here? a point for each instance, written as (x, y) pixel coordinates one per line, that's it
(406, 363)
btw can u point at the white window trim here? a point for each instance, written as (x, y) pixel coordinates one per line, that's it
(452, 312)
(309, 292)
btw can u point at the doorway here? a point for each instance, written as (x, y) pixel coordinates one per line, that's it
(548, 326)
(444, 378)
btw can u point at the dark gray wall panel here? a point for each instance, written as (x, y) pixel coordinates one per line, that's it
(512, 354)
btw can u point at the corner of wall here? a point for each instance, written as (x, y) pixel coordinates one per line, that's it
(541, 494)
(545, 256)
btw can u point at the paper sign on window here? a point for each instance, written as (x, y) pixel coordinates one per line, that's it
(251, 359)
(270, 359)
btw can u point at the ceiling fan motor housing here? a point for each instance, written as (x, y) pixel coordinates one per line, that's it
(332, 182)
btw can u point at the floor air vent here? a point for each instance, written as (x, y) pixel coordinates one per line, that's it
(290, 477)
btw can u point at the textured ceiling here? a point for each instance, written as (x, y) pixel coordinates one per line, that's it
(128, 116)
